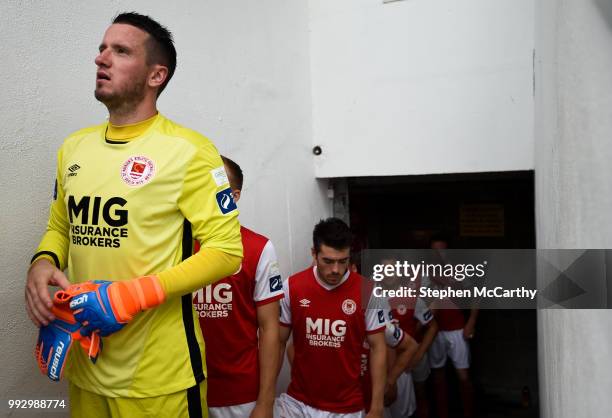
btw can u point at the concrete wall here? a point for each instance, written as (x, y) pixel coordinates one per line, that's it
(242, 79)
(573, 128)
(421, 86)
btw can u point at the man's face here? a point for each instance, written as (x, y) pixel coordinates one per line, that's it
(331, 263)
(122, 68)
(439, 245)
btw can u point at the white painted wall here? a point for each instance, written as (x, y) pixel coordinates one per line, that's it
(422, 86)
(242, 79)
(573, 128)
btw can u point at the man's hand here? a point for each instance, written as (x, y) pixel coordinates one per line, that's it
(108, 306)
(470, 325)
(262, 411)
(375, 413)
(41, 275)
(52, 348)
(55, 341)
(390, 393)
(416, 359)
(468, 330)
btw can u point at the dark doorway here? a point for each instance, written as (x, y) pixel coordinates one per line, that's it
(477, 210)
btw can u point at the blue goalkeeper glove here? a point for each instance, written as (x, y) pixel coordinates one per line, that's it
(55, 341)
(106, 307)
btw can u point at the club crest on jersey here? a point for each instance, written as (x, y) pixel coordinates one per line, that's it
(402, 309)
(225, 200)
(137, 170)
(276, 284)
(349, 306)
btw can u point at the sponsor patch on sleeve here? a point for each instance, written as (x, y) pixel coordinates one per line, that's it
(381, 317)
(276, 284)
(225, 200)
(274, 270)
(427, 315)
(219, 176)
(397, 333)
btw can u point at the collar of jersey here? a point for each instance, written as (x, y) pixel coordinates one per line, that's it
(329, 286)
(126, 133)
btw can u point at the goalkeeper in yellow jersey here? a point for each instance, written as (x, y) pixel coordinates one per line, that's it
(130, 196)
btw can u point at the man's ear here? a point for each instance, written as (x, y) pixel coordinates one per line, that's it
(157, 75)
(236, 193)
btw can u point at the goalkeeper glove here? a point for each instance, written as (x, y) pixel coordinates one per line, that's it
(108, 306)
(55, 341)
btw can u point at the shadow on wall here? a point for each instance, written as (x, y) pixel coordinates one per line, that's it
(605, 7)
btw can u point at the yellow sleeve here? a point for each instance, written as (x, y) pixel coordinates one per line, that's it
(199, 270)
(55, 241)
(214, 223)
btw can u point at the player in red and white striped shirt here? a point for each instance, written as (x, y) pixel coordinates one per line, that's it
(242, 365)
(327, 309)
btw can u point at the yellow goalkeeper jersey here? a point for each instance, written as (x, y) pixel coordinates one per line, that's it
(124, 209)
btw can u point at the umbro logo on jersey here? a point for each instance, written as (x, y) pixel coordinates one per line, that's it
(73, 170)
(304, 303)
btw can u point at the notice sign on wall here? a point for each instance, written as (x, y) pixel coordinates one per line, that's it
(481, 220)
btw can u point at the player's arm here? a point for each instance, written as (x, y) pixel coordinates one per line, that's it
(431, 330)
(378, 360)
(290, 353)
(213, 216)
(399, 360)
(50, 258)
(285, 332)
(285, 325)
(214, 224)
(269, 345)
(470, 325)
(268, 290)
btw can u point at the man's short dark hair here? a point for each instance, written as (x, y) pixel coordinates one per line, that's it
(160, 45)
(440, 236)
(332, 232)
(234, 173)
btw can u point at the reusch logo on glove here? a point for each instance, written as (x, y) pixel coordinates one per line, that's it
(57, 356)
(78, 301)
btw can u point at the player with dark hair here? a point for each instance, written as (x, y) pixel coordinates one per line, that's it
(159, 45)
(327, 310)
(130, 196)
(239, 318)
(452, 341)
